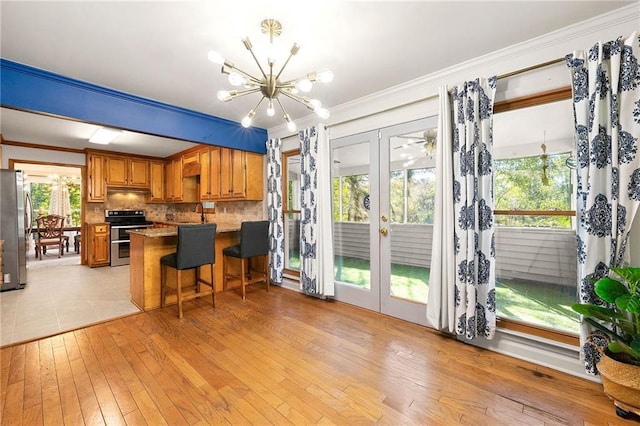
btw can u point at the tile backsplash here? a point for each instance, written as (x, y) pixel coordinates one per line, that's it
(228, 212)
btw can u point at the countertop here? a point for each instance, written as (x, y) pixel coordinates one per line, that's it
(172, 230)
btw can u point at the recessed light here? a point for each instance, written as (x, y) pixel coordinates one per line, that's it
(104, 135)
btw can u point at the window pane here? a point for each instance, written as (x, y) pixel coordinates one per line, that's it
(292, 241)
(536, 276)
(351, 241)
(535, 255)
(421, 192)
(293, 182)
(524, 184)
(351, 198)
(396, 196)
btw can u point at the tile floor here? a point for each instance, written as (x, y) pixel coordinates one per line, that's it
(62, 295)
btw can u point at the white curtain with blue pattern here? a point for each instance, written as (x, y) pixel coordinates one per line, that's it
(475, 303)
(316, 236)
(274, 210)
(606, 102)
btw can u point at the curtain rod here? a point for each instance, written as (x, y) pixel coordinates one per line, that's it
(417, 101)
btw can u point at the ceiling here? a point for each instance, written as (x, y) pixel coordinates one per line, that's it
(158, 50)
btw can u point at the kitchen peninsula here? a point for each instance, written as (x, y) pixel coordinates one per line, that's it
(149, 245)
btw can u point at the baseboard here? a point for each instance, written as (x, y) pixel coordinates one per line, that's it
(545, 352)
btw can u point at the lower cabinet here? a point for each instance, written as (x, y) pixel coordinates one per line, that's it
(98, 244)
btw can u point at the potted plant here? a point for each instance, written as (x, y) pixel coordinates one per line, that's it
(619, 363)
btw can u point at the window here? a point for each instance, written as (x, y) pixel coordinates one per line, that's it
(535, 232)
(291, 211)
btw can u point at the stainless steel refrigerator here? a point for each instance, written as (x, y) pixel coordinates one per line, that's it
(13, 229)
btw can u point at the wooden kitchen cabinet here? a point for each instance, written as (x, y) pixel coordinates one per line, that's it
(173, 179)
(96, 179)
(240, 175)
(156, 181)
(210, 174)
(179, 188)
(98, 244)
(127, 172)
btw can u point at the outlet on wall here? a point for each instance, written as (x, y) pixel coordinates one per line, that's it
(7, 278)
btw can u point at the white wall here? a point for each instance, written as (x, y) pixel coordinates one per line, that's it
(10, 152)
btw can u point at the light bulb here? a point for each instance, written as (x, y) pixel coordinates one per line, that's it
(304, 85)
(223, 95)
(291, 126)
(315, 103)
(246, 122)
(215, 57)
(322, 112)
(270, 110)
(235, 79)
(325, 76)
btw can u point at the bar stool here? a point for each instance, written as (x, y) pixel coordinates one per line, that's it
(196, 247)
(254, 242)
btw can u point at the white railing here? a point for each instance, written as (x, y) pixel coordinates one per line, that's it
(527, 254)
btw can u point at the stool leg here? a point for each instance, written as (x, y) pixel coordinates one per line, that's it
(224, 273)
(243, 262)
(213, 286)
(266, 271)
(163, 273)
(179, 285)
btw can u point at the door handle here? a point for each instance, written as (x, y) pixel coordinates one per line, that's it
(384, 231)
(384, 218)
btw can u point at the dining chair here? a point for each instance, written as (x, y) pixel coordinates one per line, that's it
(49, 233)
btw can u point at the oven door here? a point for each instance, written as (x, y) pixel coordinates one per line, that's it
(120, 252)
(120, 243)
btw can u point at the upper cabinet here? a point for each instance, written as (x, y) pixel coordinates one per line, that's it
(156, 181)
(231, 175)
(127, 172)
(116, 171)
(96, 178)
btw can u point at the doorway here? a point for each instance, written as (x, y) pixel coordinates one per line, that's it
(383, 198)
(53, 188)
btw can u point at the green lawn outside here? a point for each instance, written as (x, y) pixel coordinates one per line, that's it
(535, 303)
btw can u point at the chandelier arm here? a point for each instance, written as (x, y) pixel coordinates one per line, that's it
(284, 65)
(246, 74)
(245, 92)
(297, 99)
(258, 104)
(250, 48)
(287, 118)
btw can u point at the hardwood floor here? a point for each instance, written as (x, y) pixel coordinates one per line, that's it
(281, 358)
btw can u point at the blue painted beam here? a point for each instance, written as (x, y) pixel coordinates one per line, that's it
(32, 89)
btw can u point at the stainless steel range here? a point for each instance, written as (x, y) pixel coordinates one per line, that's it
(122, 221)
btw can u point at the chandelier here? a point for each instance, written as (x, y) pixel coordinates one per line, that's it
(268, 83)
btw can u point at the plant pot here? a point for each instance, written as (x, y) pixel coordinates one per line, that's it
(621, 383)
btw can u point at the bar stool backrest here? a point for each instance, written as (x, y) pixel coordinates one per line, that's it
(196, 245)
(254, 239)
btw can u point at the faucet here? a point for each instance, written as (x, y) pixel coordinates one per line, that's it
(195, 209)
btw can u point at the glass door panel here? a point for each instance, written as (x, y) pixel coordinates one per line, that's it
(355, 186)
(407, 195)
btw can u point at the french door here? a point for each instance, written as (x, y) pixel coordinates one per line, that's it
(383, 189)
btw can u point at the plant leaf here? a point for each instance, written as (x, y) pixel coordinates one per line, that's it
(596, 311)
(629, 303)
(635, 345)
(629, 274)
(609, 289)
